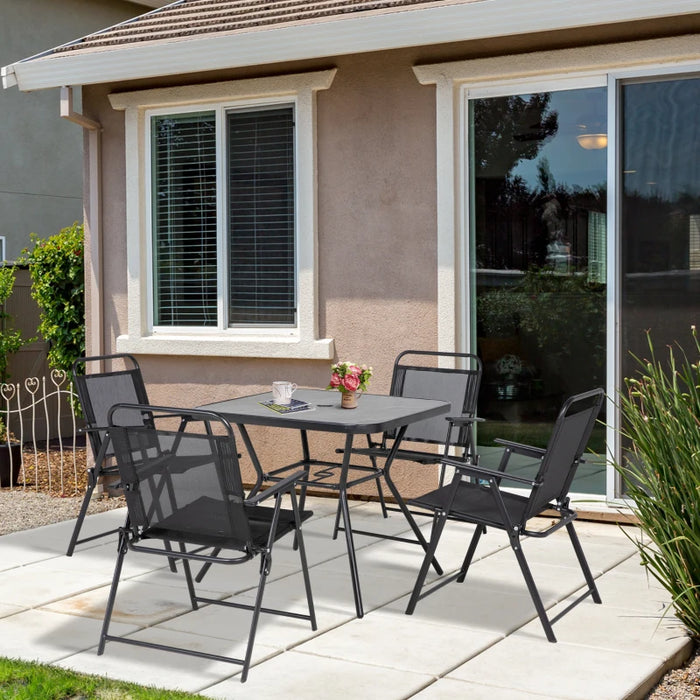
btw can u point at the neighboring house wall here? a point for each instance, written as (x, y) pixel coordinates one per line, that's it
(40, 154)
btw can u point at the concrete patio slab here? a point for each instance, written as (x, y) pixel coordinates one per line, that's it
(473, 640)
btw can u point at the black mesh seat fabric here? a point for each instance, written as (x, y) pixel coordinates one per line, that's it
(185, 500)
(477, 495)
(98, 389)
(445, 376)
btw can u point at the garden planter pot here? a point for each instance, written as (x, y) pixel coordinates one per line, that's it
(10, 463)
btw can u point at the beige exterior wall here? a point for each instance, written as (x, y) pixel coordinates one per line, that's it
(377, 224)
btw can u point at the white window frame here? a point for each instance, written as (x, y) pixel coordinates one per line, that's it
(458, 81)
(142, 337)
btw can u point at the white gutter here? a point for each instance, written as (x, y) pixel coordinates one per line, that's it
(92, 217)
(435, 24)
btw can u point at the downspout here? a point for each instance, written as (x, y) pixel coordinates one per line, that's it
(92, 216)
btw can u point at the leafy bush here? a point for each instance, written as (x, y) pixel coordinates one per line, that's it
(58, 285)
(661, 414)
(10, 340)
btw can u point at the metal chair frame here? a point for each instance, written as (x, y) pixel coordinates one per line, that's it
(459, 428)
(475, 496)
(96, 428)
(141, 461)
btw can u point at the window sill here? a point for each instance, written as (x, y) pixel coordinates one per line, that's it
(218, 346)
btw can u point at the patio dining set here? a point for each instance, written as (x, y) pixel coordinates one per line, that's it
(187, 501)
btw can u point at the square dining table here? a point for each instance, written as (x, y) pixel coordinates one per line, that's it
(374, 414)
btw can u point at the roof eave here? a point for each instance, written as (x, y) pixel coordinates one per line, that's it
(345, 35)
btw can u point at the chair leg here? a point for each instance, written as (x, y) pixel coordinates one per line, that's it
(336, 525)
(380, 493)
(205, 567)
(480, 530)
(92, 482)
(264, 571)
(188, 578)
(299, 539)
(113, 591)
(302, 501)
(438, 526)
(532, 588)
(583, 563)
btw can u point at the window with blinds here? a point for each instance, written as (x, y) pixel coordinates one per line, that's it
(258, 167)
(184, 220)
(261, 217)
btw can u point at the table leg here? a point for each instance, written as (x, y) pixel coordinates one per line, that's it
(344, 509)
(399, 500)
(253, 458)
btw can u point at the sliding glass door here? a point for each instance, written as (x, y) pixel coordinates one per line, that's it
(562, 291)
(538, 256)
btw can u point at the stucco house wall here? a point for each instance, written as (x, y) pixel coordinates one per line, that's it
(377, 222)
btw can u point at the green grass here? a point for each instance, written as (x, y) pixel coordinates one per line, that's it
(23, 680)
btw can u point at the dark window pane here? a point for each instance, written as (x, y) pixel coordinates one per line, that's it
(660, 222)
(261, 217)
(184, 220)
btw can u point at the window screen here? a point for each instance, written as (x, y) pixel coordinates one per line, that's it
(261, 217)
(184, 220)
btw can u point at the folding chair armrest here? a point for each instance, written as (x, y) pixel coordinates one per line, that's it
(93, 428)
(280, 487)
(519, 448)
(483, 473)
(463, 420)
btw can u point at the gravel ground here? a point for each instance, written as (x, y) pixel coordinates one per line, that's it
(24, 509)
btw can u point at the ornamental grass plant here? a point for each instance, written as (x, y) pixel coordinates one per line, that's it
(661, 472)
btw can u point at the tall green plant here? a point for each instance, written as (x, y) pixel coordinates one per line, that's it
(661, 415)
(58, 285)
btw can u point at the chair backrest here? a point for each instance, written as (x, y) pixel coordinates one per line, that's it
(99, 390)
(180, 473)
(569, 438)
(417, 375)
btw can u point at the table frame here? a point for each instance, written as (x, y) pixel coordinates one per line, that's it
(374, 414)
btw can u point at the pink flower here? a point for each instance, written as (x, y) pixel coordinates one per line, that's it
(351, 382)
(354, 369)
(335, 380)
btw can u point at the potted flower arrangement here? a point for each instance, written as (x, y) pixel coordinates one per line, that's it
(349, 378)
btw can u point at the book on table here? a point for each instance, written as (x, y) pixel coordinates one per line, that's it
(294, 407)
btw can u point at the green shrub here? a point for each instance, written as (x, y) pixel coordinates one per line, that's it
(57, 269)
(10, 340)
(661, 415)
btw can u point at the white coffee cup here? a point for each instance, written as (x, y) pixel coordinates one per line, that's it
(282, 392)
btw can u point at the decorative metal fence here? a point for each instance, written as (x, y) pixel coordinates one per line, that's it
(42, 449)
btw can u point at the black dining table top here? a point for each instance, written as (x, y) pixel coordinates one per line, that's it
(375, 413)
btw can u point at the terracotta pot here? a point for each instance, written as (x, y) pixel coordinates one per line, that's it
(10, 463)
(348, 399)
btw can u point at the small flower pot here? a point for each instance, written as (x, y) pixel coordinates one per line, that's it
(348, 399)
(10, 463)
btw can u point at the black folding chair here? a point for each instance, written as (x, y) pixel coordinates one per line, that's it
(183, 487)
(417, 374)
(483, 500)
(98, 391)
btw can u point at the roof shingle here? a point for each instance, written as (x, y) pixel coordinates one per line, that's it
(189, 18)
